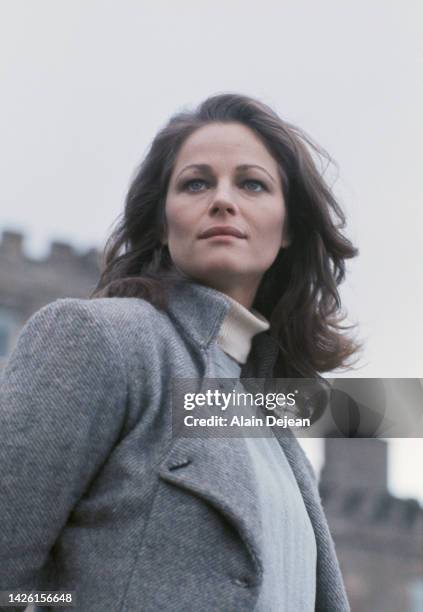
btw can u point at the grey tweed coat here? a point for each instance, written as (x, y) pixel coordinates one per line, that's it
(96, 494)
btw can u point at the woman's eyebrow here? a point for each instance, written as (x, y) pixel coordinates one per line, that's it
(247, 166)
(208, 168)
(201, 167)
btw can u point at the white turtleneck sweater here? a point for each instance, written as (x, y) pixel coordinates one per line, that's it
(238, 329)
(288, 545)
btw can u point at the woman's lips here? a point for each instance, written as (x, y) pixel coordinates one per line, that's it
(222, 230)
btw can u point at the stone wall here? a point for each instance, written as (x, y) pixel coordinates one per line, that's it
(27, 284)
(378, 537)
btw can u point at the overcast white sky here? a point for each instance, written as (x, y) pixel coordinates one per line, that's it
(86, 84)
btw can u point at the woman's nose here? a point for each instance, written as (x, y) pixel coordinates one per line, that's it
(223, 201)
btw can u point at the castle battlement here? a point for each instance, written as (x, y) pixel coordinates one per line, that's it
(12, 248)
(27, 283)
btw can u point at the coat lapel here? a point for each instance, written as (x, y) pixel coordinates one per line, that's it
(218, 470)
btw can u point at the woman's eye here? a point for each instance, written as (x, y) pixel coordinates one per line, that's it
(253, 185)
(198, 185)
(195, 185)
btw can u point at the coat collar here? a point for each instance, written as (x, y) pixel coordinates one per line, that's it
(199, 311)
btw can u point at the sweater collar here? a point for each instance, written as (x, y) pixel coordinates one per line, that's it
(238, 328)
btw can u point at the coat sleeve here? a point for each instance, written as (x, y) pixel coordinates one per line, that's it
(62, 407)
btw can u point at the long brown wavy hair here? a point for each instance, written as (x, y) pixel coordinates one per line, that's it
(298, 294)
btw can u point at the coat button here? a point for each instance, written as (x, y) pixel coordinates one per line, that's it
(242, 582)
(181, 463)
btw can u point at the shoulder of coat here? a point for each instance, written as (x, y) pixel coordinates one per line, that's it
(128, 313)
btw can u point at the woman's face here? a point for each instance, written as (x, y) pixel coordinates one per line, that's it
(224, 179)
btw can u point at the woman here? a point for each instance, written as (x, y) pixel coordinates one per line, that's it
(225, 263)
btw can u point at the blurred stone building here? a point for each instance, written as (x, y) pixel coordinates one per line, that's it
(28, 284)
(378, 537)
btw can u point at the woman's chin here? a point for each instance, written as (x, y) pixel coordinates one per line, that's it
(221, 263)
